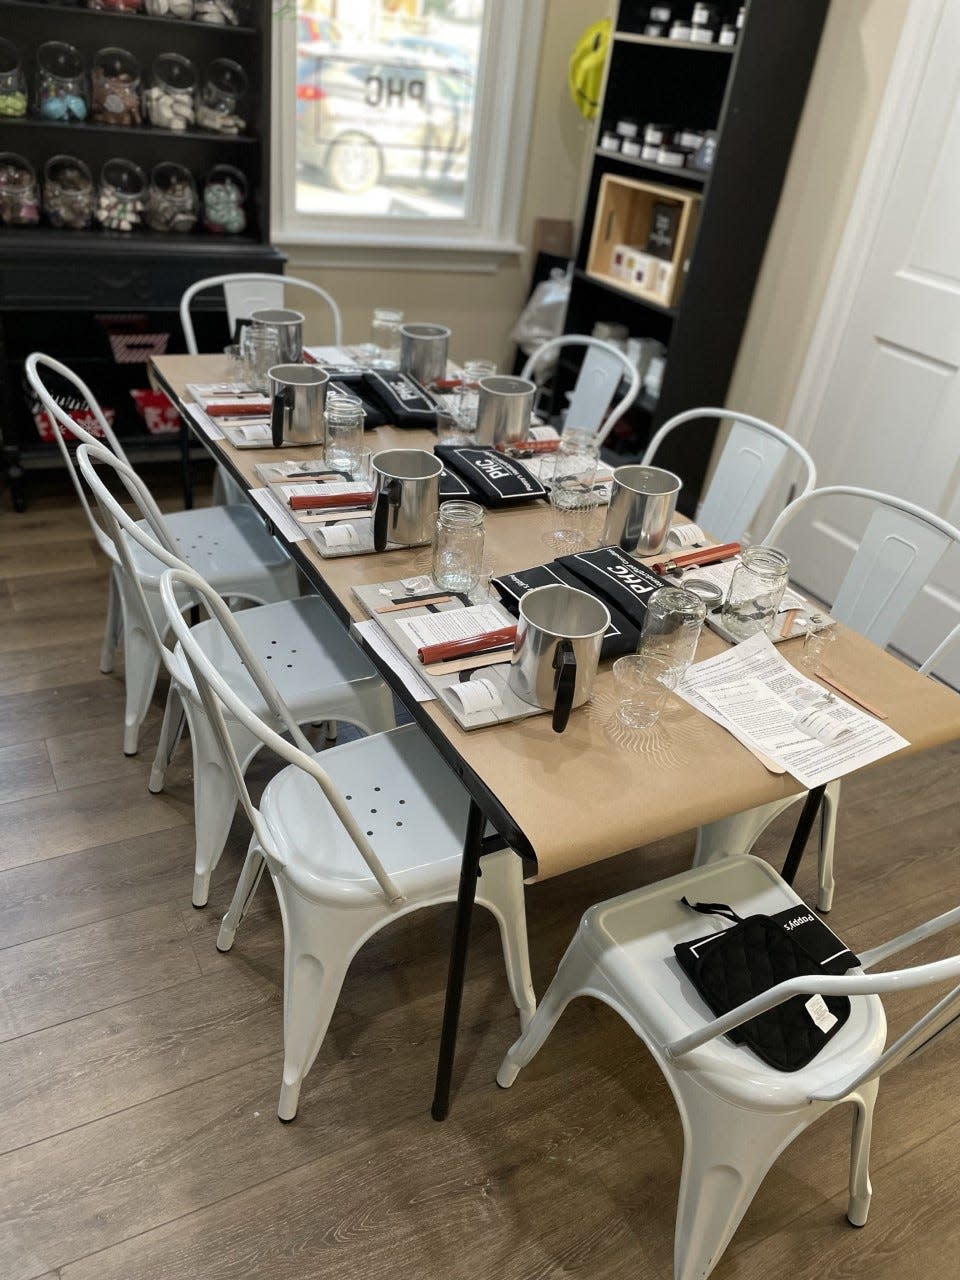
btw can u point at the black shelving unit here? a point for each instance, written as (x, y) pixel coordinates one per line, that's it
(61, 290)
(751, 95)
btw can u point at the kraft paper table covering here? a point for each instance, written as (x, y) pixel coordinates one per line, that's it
(595, 791)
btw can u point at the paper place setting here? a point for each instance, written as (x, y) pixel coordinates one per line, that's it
(382, 645)
(280, 516)
(206, 424)
(452, 624)
(753, 692)
(229, 399)
(249, 435)
(334, 359)
(288, 469)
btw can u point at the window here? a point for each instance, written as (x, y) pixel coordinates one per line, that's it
(402, 123)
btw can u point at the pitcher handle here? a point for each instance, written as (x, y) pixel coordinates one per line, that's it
(564, 683)
(281, 400)
(388, 496)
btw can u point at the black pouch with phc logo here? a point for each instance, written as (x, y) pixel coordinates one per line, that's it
(617, 578)
(400, 399)
(495, 480)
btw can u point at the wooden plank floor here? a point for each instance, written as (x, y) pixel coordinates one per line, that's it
(140, 1068)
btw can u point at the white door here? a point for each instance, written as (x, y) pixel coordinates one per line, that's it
(879, 404)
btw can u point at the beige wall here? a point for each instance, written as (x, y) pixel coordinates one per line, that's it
(849, 78)
(480, 307)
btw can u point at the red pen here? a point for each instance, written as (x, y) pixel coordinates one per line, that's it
(707, 555)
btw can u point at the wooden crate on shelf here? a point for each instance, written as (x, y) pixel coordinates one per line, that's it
(642, 235)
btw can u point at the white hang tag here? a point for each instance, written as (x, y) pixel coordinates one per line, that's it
(476, 695)
(685, 535)
(543, 433)
(817, 722)
(339, 535)
(816, 1006)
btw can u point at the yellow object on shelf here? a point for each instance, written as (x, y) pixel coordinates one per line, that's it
(585, 70)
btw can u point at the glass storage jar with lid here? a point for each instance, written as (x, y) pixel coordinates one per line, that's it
(224, 84)
(61, 82)
(224, 195)
(68, 193)
(170, 102)
(116, 87)
(172, 199)
(19, 204)
(13, 81)
(122, 189)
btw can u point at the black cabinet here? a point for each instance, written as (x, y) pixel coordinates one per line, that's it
(78, 294)
(750, 95)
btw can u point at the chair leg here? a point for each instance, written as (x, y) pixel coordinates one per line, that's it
(376, 702)
(828, 836)
(860, 1189)
(243, 895)
(170, 731)
(114, 624)
(141, 668)
(575, 976)
(214, 796)
(738, 833)
(500, 890)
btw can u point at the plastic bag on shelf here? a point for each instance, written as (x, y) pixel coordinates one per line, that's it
(542, 317)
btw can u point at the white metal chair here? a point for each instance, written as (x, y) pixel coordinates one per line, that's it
(753, 454)
(353, 839)
(229, 545)
(900, 548)
(604, 368)
(246, 292)
(737, 1113)
(319, 671)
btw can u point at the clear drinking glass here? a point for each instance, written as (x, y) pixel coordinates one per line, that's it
(473, 371)
(756, 590)
(458, 546)
(261, 351)
(671, 629)
(344, 417)
(570, 474)
(817, 645)
(385, 336)
(639, 688)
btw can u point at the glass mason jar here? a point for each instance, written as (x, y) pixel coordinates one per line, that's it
(260, 346)
(224, 84)
(671, 629)
(473, 371)
(123, 186)
(570, 474)
(344, 433)
(224, 195)
(68, 193)
(169, 8)
(385, 336)
(170, 102)
(61, 82)
(458, 546)
(172, 199)
(756, 590)
(19, 202)
(115, 88)
(13, 81)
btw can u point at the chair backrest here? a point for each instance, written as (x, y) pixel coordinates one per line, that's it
(932, 1024)
(36, 365)
(604, 368)
(117, 521)
(900, 548)
(751, 457)
(246, 292)
(216, 693)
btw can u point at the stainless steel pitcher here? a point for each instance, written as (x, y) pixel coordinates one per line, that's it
(299, 397)
(504, 406)
(407, 488)
(642, 503)
(288, 326)
(423, 351)
(557, 649)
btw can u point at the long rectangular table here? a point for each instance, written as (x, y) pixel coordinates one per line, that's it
(566, 800)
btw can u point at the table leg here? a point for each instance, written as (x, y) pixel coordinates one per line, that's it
(808, 815)
(469, 870)
(185, 472)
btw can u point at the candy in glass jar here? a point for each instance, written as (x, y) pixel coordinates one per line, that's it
(61, 82)
(68, 193)
(120, 202)
(224, 84)
(172, 199)
(19, 205)
(170, 100)
(116, 88)
(13, 81)
(224, 194)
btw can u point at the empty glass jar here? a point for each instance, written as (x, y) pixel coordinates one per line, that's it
(115, 88)
(473, 371)
(224, 84)
(120, 203)
(170, 100)
(344, 418)
(458, 546)
(69, 197)
(172, 199)
(19, 201)
(260, 346)
(756, 590)
(224, 196)
(385, 337)
(13, 81)
(61, 82)
(671, 629)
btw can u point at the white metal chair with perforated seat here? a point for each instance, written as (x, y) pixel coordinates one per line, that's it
(755, 455)
(229, 545)
(319, 671)
(353, 838)
(900, 548)
(603, 369)
(738, 1113)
